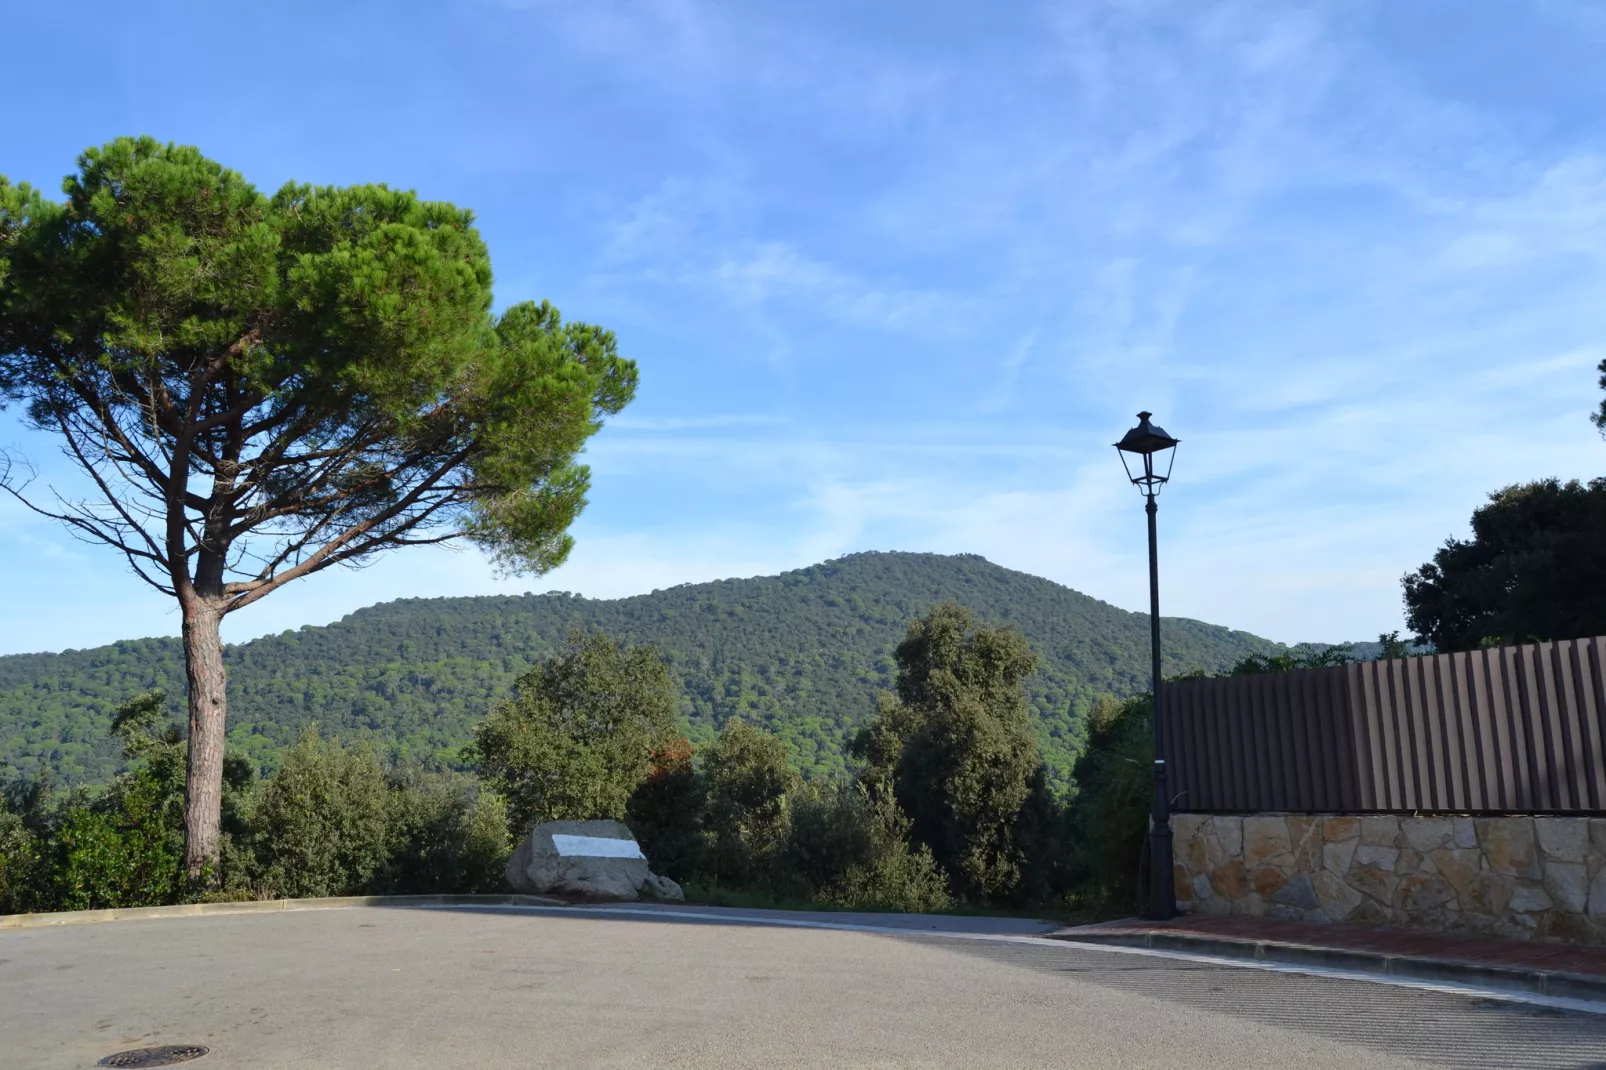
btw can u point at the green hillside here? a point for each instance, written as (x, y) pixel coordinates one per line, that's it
(802, 653)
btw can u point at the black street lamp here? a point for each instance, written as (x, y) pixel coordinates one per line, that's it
(1151, 443)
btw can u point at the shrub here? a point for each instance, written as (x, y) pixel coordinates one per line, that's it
(118, 859)
(1109, 817)
(577, 738)
(122, 847)
(445, 834)
(747, 778)
(321, 824)
(330, 822)
(19, 864)
(666, 812)
(853, 851)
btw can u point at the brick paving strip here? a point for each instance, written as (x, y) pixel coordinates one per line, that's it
(1569, 971)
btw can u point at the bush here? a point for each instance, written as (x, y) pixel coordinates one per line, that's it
(666, 812)
(445, 834)
(321, 824)
(852, 851)
(577, 739)
(747, 779)
(25, 829)
(1109, 817)
(332, 821)
(122, 847)
(99, 861)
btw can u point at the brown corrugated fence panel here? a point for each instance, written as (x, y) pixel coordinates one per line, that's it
(1222, 780)
(1430, 757)
(1260, 743)
(1490, 784)
(1508, 744)
(1566, 692)
(1242, 745)
(1534, 728)
(1368, 737)
(1518, 728)
(1592, 709)
(1347, 768)
(1186, 728)
(1458, 731)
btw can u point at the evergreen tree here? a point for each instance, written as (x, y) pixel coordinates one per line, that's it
(1109, 818)
(580, 735)
(1534, 569)
(666, 811)
(322, 823)
(748, 783)
(259, 388)
(957, 749)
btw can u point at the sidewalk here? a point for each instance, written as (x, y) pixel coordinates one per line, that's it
(1566, 970)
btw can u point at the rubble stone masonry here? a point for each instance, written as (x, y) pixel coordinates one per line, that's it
(1540, 878)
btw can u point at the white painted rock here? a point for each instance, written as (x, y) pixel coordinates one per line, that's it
(585, 860)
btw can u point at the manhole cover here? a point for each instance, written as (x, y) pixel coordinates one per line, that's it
(166, 1055)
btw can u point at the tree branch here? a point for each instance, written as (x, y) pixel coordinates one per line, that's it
(334, 551)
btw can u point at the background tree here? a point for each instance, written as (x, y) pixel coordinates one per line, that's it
(1391, 646)
(122, 846)
(801, 655)
(956, 746)
(1109, 818)
(666, 811)
(262, 387)
(579, 736)
(1304, 656)
(322, 823)
(852, 850)
(1535, 568)
(1600, 415)
(748, 783)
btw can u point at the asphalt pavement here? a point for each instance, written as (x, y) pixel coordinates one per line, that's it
(697, 987)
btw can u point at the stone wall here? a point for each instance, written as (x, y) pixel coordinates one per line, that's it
(1531, 877)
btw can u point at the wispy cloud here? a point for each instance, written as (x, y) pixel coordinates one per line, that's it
(897, 277)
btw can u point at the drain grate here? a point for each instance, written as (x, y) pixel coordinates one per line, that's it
(166, 1055)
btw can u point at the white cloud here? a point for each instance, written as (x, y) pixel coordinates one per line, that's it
(1562, 214)
(894, 289)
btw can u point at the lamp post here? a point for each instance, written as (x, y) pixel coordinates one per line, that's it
(1153, 444)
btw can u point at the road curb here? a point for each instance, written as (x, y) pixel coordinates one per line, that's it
(267, 906)
(1555, 983)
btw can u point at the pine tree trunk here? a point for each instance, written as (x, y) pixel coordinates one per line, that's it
(203, 663)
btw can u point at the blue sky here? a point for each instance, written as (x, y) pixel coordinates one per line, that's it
(897, 274)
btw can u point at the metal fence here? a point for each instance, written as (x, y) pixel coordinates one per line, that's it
(1509, 729)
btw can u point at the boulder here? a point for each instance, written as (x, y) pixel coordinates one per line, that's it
(585, 860)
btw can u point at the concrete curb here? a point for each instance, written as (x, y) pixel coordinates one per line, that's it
(268, 906)
(1555, 983)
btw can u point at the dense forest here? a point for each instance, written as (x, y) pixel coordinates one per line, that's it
(802, 654)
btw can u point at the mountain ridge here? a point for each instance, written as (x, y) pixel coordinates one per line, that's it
(801, 653)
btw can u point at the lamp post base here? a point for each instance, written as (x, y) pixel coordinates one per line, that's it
(1162, 889)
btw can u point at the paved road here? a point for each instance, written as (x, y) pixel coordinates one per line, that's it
(379, 987)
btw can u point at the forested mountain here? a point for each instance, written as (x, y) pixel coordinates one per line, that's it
(802, 654)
